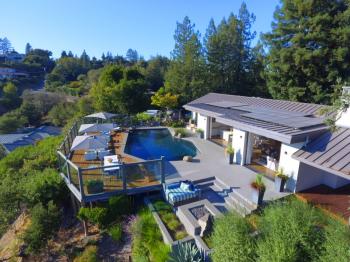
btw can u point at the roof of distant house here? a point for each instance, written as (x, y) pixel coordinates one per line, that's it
(285, 121)
(11, 141)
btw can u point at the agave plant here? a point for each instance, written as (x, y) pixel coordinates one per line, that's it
(186, 252)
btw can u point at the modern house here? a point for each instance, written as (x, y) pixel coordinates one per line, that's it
(269, 134)
(12, 57)
(10, 142)
(10, 73)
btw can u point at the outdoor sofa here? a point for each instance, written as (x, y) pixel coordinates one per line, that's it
(181, 192)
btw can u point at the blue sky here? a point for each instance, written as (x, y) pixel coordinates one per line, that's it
(106, 25)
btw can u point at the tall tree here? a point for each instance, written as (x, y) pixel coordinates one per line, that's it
(120, 89)
(85, 59)
(5, 46)
(308, 49)
(41, 58)
(132, 56)
(229, 53)
(28, 48)
(186, 74)
(64, 54)
(155, 71)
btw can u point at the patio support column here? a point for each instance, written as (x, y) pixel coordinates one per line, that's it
(162, 169)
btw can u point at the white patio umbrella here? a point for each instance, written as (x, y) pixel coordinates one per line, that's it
(85, 128)
(101, 115)
(89, 142)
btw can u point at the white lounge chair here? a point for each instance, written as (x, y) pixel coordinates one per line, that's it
(102, 153)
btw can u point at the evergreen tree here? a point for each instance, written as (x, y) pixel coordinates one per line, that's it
(64, 54)
(85, 59)
(28, 48)
(308, 49)
(132, 56)
(5, 46)
(103, 57)
(229, 54)
(186, 74)
(70, 54)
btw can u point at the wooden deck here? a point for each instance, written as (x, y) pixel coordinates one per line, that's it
(137, 175)
(334, 201)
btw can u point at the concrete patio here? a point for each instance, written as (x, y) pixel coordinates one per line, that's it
(228, 185)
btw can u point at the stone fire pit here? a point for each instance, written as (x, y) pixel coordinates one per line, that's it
(194, 216)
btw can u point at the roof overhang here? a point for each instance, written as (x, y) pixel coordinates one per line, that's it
(284, 138)
(329, 170)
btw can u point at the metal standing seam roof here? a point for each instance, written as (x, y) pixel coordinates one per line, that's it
(330, 152)
(213, 104)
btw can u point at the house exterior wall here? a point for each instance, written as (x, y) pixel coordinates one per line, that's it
(239, 139)
(290, 166)
(203, 123)
(310, 176)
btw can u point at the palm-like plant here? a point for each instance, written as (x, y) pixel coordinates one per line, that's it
(186, 252)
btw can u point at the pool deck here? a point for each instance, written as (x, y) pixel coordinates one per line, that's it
(211, 162)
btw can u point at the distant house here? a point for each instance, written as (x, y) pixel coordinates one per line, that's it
(11, 141)
(12, 57)
(10, 73)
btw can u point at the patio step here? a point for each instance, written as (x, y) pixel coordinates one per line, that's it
(204, 183)
(240, 204)
(221, 188)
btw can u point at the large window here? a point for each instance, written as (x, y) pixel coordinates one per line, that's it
(266, 154)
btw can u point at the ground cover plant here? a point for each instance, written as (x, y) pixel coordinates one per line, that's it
(288, 230)
(147, 242)
(172, 223)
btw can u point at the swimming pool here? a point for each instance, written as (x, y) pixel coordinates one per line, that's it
(154, 143)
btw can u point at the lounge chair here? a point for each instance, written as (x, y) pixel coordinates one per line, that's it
(102, 153)
(90, 155)
(181, 192)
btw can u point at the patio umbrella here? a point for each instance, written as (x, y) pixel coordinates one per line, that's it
(101, 115)
(89, 142)
(85, 128)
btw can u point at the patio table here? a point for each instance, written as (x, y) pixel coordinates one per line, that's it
(107, 162)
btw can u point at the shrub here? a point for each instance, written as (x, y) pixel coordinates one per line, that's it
(147, 239)
(44, 223)
(232, 240)
(94, 186)
(177, 124)
(118, 206)
(89, 255)
(116, 232)
(290, 232)
(43, 187)
(186, 252)
(180, 131)
(95, 215)
(337, 244)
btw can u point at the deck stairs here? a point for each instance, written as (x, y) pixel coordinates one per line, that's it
(233, 199)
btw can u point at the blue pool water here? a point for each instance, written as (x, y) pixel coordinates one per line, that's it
(154, 143)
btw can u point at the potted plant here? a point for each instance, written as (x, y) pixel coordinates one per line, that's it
(94, 186)
(200, 133)
(280, 180)
(229, 153)
(258, 189)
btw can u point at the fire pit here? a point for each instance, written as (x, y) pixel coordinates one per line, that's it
(199, 211)
(190, 215)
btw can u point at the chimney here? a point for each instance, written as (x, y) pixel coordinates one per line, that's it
(344, 115)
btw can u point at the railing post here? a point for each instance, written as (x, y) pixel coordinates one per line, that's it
(162, 169)
(123, 176)
(68, 172)
(81, 184)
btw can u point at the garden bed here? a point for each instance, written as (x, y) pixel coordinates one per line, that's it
(170, 220)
